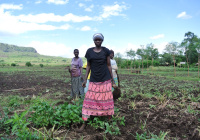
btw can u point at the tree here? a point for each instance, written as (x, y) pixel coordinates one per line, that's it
(151, 53)
(118, 57)
(190, 48)
(198, 51)
(188, 44)
(166, 58)
(140, 52)
(41, 65)
(172, 48)
(131, 53)
(28, 64)
(13, 64)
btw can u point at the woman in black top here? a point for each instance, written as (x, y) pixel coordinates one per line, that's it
(98, 100)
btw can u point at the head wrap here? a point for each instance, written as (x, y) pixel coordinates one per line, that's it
(98, 35)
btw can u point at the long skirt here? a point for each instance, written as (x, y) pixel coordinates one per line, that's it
(76, 87)
(98, 100)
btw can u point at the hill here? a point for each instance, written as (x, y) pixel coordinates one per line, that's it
(20, 55)
(14, 48)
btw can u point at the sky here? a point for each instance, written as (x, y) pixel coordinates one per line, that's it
(57, 27)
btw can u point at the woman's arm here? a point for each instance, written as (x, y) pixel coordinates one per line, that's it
(86, 74)
(81, 70)
(81, 67)
(110, 70)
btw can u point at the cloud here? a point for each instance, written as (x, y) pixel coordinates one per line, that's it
(38, 2)
(114, 10)
(83, 48)
(10, 24)
(88, 9)
(43, 18)
(183, 15)
(17, 24)
(124, 50)
(161, 46)
(81, 5)
(85, 28)
(58, 2)
(51, 48)
(158, 36)
(10, 6)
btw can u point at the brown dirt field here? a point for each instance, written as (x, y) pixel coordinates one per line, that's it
(174, 120)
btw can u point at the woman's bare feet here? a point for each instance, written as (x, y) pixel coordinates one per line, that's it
(81, 128)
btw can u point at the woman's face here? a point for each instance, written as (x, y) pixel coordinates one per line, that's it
(111, 56)
(76, 53)
(98, 42)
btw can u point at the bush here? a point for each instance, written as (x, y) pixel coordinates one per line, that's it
(28, 64)
(13, 64)
(41, 65)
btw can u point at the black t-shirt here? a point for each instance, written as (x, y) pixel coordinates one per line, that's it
(98, 64)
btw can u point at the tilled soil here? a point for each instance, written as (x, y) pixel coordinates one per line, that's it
(166, 115)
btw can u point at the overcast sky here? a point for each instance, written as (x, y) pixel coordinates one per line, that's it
(57, 27)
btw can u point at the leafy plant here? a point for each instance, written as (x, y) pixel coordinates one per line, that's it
(20, 126)
(4, 118)
(14, 101)
(63, 115)
(152, 106)
(43, 115)
(109, 126)
(151, 136)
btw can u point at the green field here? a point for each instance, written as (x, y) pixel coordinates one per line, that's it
(35, 103)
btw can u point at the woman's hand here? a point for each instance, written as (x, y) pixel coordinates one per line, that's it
(84, 83)
(113, 84)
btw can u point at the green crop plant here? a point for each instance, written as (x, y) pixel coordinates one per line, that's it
(15, 101)
(4, 118)
(47, 134)
(192, 111)
(152, 106)
(193, 98)
(110, 127)
(143, 125)
(132, 105)
(43, 114)
(151, 136)
(63, 115)
(20, 126)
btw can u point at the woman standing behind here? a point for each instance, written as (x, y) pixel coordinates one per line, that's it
(114, 67)
(76, 75)
(88, 79)
(98, 99)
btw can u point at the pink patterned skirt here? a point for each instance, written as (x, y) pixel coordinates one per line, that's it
(98, 100)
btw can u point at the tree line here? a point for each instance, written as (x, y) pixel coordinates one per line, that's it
(187, 51)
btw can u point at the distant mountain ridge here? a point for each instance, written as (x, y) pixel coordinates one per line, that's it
(14, 48)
